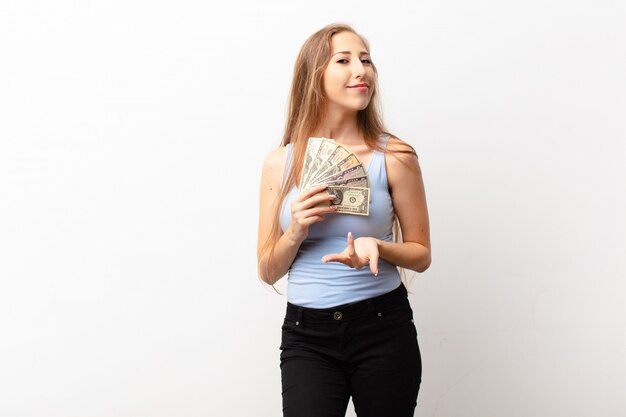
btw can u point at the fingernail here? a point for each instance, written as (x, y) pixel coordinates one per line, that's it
(333, 207)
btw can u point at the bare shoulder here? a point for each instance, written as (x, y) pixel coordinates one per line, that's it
(276, 158)
(401, 160)
(273, 168)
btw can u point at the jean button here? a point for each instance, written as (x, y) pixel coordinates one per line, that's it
(337, 316)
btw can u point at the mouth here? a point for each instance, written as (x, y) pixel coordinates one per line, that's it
(362, 88)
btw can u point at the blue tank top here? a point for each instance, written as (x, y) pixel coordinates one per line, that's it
(312, 283)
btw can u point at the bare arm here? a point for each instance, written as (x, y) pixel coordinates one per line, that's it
(303, 211)
(409, 201)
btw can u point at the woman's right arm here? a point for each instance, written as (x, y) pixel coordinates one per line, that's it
(303, 212)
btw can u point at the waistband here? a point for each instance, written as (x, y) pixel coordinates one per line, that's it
(347, 312)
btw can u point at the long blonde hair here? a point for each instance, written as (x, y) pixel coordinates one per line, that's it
(305, 113)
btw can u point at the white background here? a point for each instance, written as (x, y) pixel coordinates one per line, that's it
(132, 136)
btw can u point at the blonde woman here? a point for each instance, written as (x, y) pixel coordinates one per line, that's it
(348, 329)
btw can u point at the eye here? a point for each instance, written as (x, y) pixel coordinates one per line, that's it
(366, 61)
(342, 61)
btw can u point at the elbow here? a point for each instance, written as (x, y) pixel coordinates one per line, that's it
(265, 280)
(423, 266)
(262, 270)
(268, 280)
(266, 276)
(423, 263)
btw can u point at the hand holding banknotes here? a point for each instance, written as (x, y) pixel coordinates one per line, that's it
(327, 162)
(357, 254)
(309, 208)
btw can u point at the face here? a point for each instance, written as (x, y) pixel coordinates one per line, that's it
(349, 76)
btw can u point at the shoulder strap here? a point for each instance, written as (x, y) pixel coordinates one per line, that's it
(288, 162)
(384, 139)
(377, 168)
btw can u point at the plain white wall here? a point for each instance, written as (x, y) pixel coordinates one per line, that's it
(132, 137)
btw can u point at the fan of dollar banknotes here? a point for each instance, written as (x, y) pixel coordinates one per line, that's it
(327, 162)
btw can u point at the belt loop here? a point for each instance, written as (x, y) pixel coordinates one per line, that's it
(371, 308)
(299, 319)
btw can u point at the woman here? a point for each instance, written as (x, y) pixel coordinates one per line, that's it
(348, 330)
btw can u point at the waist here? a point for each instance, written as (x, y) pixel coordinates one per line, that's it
(347, 312)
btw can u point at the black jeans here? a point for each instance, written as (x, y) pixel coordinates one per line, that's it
(367, 350)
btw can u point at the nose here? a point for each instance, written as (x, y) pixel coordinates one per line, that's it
(358, 69)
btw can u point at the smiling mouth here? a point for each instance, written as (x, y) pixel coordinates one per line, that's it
(360, 88)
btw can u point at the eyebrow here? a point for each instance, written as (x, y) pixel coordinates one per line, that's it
(348, 52)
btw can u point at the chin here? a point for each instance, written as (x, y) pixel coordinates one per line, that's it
(359, 106)
(363, 107)
(352, 106)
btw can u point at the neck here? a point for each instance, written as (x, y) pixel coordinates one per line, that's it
(340, 126)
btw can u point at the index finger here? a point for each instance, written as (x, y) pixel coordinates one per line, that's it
(351, 249)
(310, 192)
(374, 265)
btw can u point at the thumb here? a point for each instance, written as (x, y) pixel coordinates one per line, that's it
(330, 257)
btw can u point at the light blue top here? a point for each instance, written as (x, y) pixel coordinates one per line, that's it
(312, 283)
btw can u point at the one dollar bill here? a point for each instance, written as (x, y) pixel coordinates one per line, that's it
(350, 200)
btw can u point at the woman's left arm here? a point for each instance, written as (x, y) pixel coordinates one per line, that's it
(406, 187)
